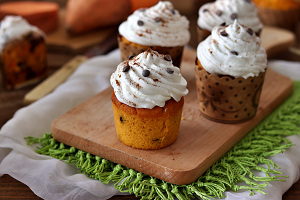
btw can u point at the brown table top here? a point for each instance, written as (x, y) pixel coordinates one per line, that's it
(11, 101)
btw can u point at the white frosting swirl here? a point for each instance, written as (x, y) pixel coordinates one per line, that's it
(163, 83)
(245, 11)
(239, 54)
(162, 26)
(15, 27)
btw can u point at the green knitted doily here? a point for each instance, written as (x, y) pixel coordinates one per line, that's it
(237, 165)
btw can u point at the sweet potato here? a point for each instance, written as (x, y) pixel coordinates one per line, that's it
(44, 15)
(83, 16)
(136, 4)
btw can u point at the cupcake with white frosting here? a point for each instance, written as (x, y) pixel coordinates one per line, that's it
(23, 52)
(230, 70)
(222, 12)
(160, 27)
(147, 100)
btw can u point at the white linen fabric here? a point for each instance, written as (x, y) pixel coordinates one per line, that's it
(52, 179)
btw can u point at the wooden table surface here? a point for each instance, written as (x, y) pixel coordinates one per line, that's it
(11, 101)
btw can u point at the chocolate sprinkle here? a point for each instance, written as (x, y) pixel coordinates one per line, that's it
(130, 57)
(146, 73)
(140, 23)
(233, 16)
(234, 53)
(219, 12)
(168, 57)
(223, 24)
(223, 33)
(157, 19)
(173, 11)
(250, 31)
(248, 1)
(170, 71)
(126, 69)
(205, 10)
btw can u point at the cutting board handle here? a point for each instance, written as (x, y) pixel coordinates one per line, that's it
(54, 80)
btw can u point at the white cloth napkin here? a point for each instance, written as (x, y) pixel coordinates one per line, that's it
(52, 179)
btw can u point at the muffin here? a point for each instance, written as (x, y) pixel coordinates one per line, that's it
(23, 52)
(230, 70)
(222, 12)
(282, 14)
(160, 27)
(147, 100)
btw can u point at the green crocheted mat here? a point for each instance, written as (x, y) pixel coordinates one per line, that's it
(237, 165)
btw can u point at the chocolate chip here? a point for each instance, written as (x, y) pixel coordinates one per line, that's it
(20, 64)
(170, 71)
(233, 16)
(130, 57)
(223, 24)
(28, 36)
(168, 57)
(223, 33)
(126, 69)
(205, 10)
(157, 19)
(234, 53)
(173, 11)
(146, 73)
(219, 12)
(250, 31)
(121, 119)
(140, 23)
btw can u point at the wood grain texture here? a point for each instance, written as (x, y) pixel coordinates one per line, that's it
(276, 40)
(60, 41)
(200, 143)
(54, 80)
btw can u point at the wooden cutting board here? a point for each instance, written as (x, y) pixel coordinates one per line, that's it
(90, 127)
(60, 41)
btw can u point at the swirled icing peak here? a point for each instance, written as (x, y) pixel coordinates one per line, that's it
(15, 27)
(148, 80)
(160, 25)
(232, 50)
(215, 13)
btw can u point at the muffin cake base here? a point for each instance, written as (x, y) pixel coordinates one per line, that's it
(128, 48)
(144, 128)
(202, 34)
(226, 99)
(286, 19)
(23, 61)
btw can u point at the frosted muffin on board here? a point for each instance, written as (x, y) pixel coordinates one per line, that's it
(23, 52)
(279, 13)
(148, 100)
(225, 12)
(160, 27)
(230, 71)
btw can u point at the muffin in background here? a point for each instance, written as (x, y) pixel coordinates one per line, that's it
(23, 52)
(230, 70)
(279, 13)
(160, 27)
(147, 100)
(225, 12)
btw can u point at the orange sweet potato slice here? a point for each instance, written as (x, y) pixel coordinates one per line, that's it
(44, 15)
